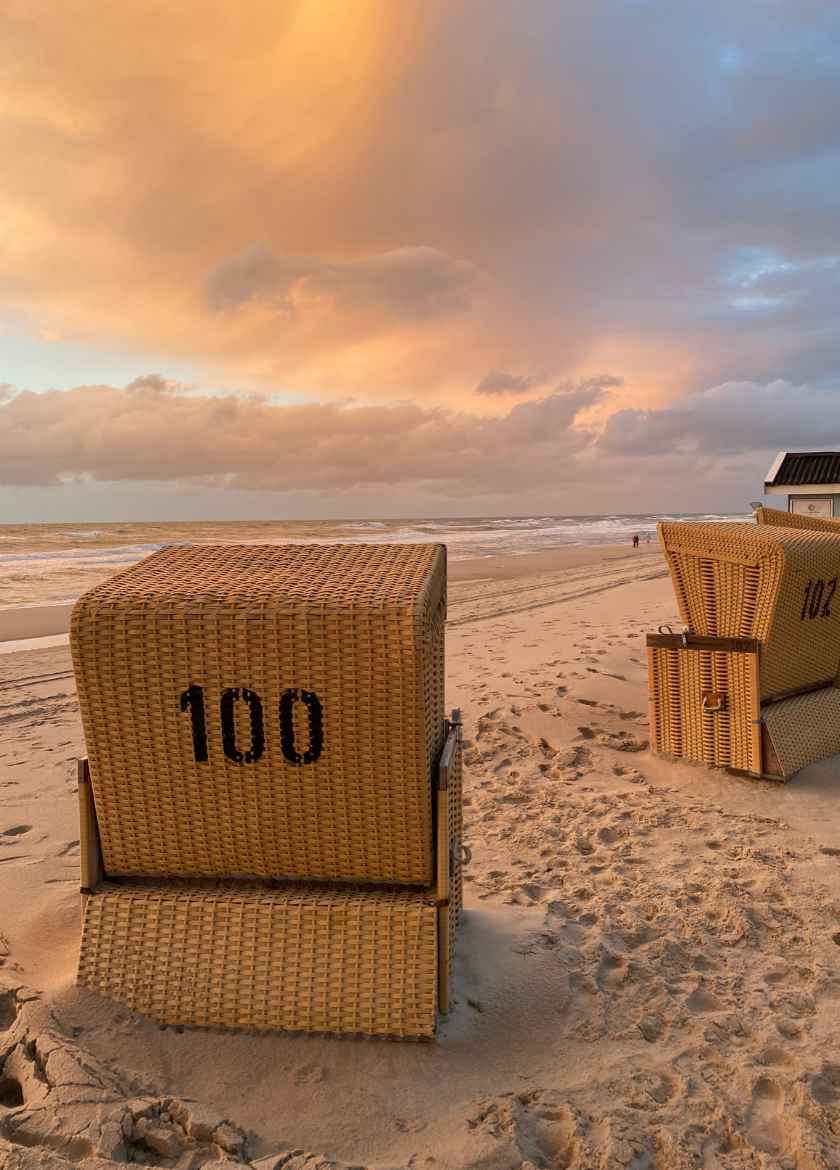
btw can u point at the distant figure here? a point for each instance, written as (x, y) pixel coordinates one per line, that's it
(635, 540)
(647, 538)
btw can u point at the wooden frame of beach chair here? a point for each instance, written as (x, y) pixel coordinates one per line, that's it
(749, 684)
(281, 955)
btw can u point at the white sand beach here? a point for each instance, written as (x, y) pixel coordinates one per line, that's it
(647, 977)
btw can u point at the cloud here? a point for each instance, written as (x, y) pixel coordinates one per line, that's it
(153, 384)
(598, 382)
(727, 419)
(501, 382)
(434, 187)
(406, 283)
(150, 431)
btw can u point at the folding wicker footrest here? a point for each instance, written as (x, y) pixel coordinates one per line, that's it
(801, 730)
(241, 955)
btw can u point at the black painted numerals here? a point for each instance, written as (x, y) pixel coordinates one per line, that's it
(818, 598)
(192, 700)
(288, 741)
(229, 698)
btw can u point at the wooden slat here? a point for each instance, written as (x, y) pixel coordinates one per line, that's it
(702, 642)
(89, 848)
(443, 960)
(756, 739)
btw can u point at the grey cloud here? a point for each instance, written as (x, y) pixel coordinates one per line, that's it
(593, 382)
(406, 283)
(501, 382)
(101, 433)
(727, 419)
(156, 384)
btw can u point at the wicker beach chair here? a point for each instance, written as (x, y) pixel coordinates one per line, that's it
(271, 805)
(750, 684)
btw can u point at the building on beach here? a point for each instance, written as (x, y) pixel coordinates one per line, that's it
(809, 479)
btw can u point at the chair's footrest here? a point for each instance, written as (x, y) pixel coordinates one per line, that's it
(241, 955)
(803, 729)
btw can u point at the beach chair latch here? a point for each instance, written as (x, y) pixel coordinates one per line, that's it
(713, 701)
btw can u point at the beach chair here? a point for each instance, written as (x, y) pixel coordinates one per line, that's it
(271, 804)
(780, 519)
(749, 684)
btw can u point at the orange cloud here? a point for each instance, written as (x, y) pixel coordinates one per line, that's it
(357, 165)
(401, 199)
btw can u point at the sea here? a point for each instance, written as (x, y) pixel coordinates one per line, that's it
(53, 563)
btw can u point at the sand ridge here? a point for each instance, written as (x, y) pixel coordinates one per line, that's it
(647, 976)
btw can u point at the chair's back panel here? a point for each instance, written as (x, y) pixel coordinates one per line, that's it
(266, 710)
(780, 519)
(778, 585)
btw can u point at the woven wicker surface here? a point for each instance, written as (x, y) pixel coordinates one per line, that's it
(804, 728)
(261, 630)
(680, 726)
(795, 520)
(762, 581)
(241, 956)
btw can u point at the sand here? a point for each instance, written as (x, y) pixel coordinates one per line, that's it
(647, 976)
(33, 621)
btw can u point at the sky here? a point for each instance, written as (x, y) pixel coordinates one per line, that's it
(448, 257)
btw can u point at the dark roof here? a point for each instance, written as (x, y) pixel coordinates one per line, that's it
(808, 467)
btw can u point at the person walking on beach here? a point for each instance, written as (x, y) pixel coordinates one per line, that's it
(635, 540)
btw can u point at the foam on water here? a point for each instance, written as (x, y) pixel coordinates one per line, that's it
(41, 563)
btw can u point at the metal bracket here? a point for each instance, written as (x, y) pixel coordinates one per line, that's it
(713, 701)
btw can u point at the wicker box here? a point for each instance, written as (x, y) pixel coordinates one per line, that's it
(278, 955)
(266, 711)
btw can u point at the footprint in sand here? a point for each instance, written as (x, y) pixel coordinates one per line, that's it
(8, 1009)
(308, 1074)
(825, 1086)
(651, 1027)
(612, 971)
(764, 1124)
(609, 836)
(16, 831)
(702, 1000)
(11, 1093)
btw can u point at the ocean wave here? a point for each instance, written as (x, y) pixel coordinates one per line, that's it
(126, 553)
